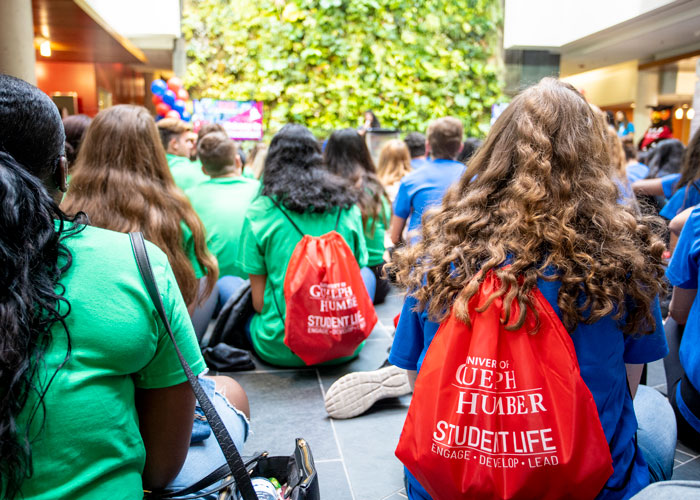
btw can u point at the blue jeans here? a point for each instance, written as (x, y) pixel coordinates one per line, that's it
(206, 456)
(228, 285)
(670, 490)
(370, 281)
(656, 434)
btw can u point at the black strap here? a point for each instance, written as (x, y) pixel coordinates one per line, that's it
(233, 458)
(337, 221)
(287, 216)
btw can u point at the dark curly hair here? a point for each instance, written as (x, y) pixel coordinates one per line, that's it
(543, 200)
(32, 260)
(294, 174)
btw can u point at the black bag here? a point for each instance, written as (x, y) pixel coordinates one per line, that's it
(230, 324)
(299, 472)
(224, 358)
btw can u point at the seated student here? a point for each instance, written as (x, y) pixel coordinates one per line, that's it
(394, 164)
(178, 144)
(470, 146)
(415, 141)
(100, 406)
(255, 161)
(221, 203)
(75, 127)
(554, 217)
(122, 182)
(685, 310)
(426, 186)
(346, 155)
(295, 177)
(665, 163)
(687, 190)
(635, 170)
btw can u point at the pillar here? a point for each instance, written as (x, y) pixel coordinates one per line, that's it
(695, 123)
(647, 95)
(17, 54)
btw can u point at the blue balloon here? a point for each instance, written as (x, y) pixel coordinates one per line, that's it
(158, 87)
(169, 97)
(179, 106)
(186, 116)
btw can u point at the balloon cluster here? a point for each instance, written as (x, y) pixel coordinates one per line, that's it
(170, 99)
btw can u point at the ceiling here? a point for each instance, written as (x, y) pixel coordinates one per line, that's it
(78, 34)
(659, 34)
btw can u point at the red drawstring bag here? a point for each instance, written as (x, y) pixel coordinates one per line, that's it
(500, 414)
(329, 312)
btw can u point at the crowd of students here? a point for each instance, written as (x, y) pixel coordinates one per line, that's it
(550, 201)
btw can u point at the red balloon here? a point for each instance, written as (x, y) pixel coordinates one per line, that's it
(183, 94)
(173, 114)
(174, 84)
(162, 109)
(156, 99)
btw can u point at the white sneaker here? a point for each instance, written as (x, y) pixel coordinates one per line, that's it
(354, 393)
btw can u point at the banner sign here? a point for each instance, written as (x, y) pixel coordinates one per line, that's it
(242, 120)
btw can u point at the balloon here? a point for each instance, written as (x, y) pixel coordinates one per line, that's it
(158, 87)
(179, 106)
(183, 94)
(169, 97)
(162, 109)
(173, 114)
(186, 116)
(156, 99)
(174, 84)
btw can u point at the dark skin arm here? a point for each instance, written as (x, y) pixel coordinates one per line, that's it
(165, 422)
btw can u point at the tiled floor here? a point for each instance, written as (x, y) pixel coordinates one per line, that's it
(355, 458)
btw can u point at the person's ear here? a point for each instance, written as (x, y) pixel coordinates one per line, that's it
(172, 146)
(238, 162)
(60, 174)
(427, 148)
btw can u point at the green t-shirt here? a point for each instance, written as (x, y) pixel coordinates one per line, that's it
(248, 173)
(188, 247)
(90, 446)
(221, 203)
(268, 240)
(375, 236)
(185, 172)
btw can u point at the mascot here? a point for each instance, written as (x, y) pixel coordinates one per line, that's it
(660, 127)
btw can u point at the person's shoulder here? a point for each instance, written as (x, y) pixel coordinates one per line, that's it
(108, 248)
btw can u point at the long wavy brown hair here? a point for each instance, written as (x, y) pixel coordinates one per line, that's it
(543, 201)
(122, 182)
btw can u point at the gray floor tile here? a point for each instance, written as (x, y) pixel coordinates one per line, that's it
(656, 376)
(371, 357)
(368, 443)
(688, 471)
(285, 405)
(687, 451)
(333, 482)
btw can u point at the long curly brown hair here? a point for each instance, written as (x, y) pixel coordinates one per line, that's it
(122, 182)
(543, 201)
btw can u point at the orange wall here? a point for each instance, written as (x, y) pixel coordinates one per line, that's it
(70, 77)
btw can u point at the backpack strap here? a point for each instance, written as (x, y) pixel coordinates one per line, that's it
(287, 216)
(228, 447)
(337, 221)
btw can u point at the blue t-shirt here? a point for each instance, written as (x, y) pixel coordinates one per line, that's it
(683, 272)
(624, 130)
(636, 172)
(668, 184)
(602, 350)
(424, 188)
(417, 163)
(686, 197)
